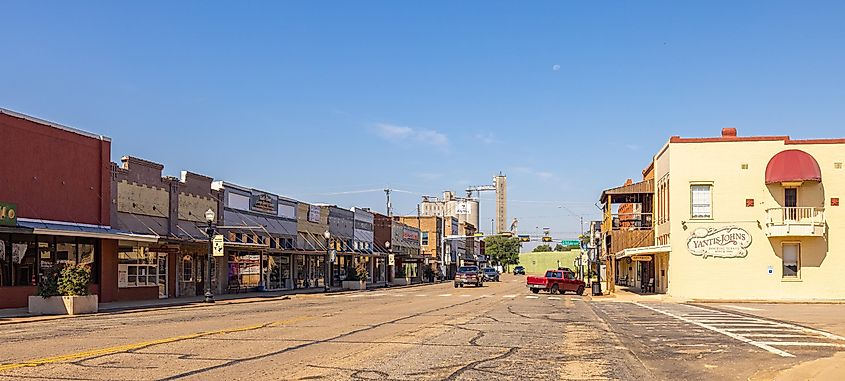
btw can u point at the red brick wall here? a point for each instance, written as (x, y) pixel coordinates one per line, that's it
(54, 174)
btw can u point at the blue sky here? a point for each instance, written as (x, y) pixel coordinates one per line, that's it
(314, 98)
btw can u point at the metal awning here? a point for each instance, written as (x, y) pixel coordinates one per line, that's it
(83, 230)
(647, 250)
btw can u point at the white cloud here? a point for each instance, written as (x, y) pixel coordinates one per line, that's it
(486, 138)
(545, 175)
(398, 134)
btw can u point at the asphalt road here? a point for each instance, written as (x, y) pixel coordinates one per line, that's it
(434, 332)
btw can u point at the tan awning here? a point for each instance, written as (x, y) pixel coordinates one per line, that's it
(647, 250)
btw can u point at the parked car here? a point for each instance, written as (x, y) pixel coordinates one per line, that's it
(491, 274)
(519, 270)
(556, 282)
(469, 275)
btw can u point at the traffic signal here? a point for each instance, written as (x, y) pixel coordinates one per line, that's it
(524, 238)
(547, 239)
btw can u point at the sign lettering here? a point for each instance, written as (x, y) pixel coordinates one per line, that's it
(8, 214)
(217, 246)
(264, 203)
(726, 242)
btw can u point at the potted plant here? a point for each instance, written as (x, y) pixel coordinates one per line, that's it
(401, 278)
(63, 290)
(357, 279)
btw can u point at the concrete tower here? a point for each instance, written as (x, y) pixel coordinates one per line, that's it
(501, 184)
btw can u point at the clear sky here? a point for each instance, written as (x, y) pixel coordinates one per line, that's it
(313, 98)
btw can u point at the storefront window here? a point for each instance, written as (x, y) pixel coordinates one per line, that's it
(136, 267)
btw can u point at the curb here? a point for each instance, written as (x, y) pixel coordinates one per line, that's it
(197, 304)
(763, 301)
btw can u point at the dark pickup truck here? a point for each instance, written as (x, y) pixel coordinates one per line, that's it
(468, 275)
(556, 282)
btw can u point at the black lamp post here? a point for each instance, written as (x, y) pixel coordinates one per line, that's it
(327, 276)
(209, 231)
(597, 285)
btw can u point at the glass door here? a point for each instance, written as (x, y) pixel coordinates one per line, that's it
(162, 276)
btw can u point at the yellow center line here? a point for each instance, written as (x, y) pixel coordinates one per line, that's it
(144, 344)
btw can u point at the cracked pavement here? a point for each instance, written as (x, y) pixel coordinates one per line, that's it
(433, 332)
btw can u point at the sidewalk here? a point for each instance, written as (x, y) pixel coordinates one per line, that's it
(631, 294)
(21, 315)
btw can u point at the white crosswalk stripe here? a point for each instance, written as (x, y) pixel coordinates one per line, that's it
(765, 334)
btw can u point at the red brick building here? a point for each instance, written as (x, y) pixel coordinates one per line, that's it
(57, 180)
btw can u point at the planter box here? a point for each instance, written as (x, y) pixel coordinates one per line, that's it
(401, 281)
(63, 305)
(354, 285)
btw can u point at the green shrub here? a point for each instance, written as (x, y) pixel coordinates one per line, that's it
(74, 280)
(49, 284)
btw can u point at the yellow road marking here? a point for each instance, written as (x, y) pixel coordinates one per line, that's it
(130, 347)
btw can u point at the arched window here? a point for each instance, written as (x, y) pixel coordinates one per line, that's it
(187, 268)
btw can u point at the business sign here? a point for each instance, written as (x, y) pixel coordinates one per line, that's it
(463, 208)
(725, 242)
(8, 214)
(217, 246)
(641, 258)
(410, 234)
(264, 203)
(314, 214)
(391, 259)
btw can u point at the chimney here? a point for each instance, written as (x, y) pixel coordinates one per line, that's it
(729, 132)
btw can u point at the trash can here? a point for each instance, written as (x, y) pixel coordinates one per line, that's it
(596, 288)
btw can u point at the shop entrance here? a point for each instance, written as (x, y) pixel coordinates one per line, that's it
(162, 276)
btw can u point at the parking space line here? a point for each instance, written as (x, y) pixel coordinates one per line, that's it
(743, 339)
(444, 295)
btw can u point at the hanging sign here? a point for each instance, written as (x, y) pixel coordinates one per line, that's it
(726, 242)
(8, 214)
(217, 246)
(641, 258)
(391, 259)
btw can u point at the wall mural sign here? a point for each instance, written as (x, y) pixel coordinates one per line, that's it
(262, 202)
(8, 214)
(314, 213)
(725, 242)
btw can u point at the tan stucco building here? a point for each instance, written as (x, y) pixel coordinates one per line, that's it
(748, 218)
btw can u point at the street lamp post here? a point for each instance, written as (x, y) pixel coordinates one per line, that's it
(597, 285)
(209, 231)
(327, 261)
(387, 265)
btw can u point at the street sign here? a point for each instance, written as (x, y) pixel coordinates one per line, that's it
(570, 242)
(641, 258)
(217, 245)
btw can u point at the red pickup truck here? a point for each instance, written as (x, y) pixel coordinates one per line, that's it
(556, 282)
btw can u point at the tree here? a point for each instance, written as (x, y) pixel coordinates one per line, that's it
(502, 250)
(560, 247)
(542, 248)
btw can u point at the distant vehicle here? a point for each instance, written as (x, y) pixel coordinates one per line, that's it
(519, 270)
(491, 274)
(556, 282)
(469, 275)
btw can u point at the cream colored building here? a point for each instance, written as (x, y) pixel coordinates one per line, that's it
(748, 218)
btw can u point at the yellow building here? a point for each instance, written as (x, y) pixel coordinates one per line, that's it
(748, 218)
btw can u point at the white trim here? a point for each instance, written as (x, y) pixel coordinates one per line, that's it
(118, 236)
(54, 125)
(63, 223)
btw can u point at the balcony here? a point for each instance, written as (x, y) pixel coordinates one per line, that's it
(795, 222)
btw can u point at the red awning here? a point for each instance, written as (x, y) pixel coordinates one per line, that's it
(792, 165)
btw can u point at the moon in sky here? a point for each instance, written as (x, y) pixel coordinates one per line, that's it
(556, 67)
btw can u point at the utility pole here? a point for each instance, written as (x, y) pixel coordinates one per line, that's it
(389, 207)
